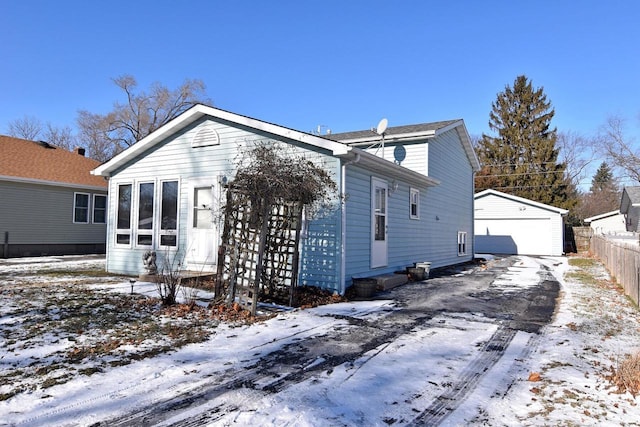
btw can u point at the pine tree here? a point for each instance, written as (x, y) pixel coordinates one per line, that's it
(603, 179)
(523, 159)
(604, 194)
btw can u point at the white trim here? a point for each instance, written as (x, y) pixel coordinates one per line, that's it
(88, 207)
(379, 248)
(115, 218)
(169, 232)
(137, 231)
(491, 191)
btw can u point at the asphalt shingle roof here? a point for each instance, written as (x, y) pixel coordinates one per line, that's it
(33, 160)
(391, 131)
(634, 194)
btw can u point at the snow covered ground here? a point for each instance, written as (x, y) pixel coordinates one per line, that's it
(406, 380)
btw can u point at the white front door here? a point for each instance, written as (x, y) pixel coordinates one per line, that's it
(379, 192)
(203, 227)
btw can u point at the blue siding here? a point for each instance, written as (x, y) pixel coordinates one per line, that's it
(175, 158)
(445, 210)
(449, 206)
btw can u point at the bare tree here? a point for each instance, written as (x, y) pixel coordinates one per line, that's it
(32, 129)
(107, 134)
(28, 127)
(577, 153)
(621, 149)
(62, 137)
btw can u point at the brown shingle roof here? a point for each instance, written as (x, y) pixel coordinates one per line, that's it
(32, 160)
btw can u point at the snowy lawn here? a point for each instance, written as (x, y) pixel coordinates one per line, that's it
(76, 348)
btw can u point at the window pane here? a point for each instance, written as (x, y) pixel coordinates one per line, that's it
(145, 239)
(381, 202)
(169, 205)
(145, 208)
(80, 215)
(124, 207)
(123, 239)
(202, 204)
(168, 240)
(100, 202)
(380, 227)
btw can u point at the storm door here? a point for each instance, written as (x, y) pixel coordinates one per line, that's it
(379, 195)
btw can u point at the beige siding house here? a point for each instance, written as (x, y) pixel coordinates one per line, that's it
(50, 204)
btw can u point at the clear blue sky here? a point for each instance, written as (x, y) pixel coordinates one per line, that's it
(343, 64)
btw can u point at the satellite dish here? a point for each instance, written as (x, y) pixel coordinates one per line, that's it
(382, 126)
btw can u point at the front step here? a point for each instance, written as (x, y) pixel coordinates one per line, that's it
(390, 281)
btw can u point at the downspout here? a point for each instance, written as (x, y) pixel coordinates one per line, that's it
(343, 231)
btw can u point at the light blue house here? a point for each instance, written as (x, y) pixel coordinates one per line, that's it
(408, 201)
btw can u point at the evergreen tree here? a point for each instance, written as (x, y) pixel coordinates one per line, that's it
(604, 194)
(603, 179)
(523, 159)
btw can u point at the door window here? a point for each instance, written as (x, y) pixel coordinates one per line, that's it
(202, 208)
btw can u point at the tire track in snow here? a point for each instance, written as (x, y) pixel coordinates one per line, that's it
(448, 401)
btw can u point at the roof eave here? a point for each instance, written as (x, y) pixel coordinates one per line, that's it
(491, 191)
(384, 167)
(52, 183)
(200, 110)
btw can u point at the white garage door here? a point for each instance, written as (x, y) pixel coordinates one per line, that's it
(530, 236)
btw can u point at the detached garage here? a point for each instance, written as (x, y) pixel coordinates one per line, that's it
(506, 224)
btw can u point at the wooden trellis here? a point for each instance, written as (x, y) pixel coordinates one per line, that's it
(258, 257)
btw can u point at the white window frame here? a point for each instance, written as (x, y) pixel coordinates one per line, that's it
(414, 193)
(462, 243)
(123, 231)
(168, 232)
(93, 215)
(75, 206)
(138, 232)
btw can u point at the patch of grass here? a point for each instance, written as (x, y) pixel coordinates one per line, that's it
(581, 276)
(582, 262)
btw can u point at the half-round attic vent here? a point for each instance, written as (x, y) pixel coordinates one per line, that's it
(207, 135)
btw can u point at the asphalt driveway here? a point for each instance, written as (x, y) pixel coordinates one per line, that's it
(484, 291)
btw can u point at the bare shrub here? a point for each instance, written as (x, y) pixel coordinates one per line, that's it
(626, 375)
(168, 280)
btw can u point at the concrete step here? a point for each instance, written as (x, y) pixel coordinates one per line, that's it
(390, 281)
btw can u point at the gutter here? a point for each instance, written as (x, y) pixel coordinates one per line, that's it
(343, 228)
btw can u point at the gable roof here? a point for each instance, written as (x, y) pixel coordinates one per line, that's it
(630, 197)
(408, 133)
(492, 192)
(602, 216)
(22, 160)
(337, 149)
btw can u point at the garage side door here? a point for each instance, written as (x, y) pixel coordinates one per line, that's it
(530, 236)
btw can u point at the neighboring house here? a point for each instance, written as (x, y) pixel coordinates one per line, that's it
(50, 204)
(608, 222)
(507, 224)
(630, 208)
(392, 216)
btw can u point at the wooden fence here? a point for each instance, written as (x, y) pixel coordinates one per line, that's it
(621, 256)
